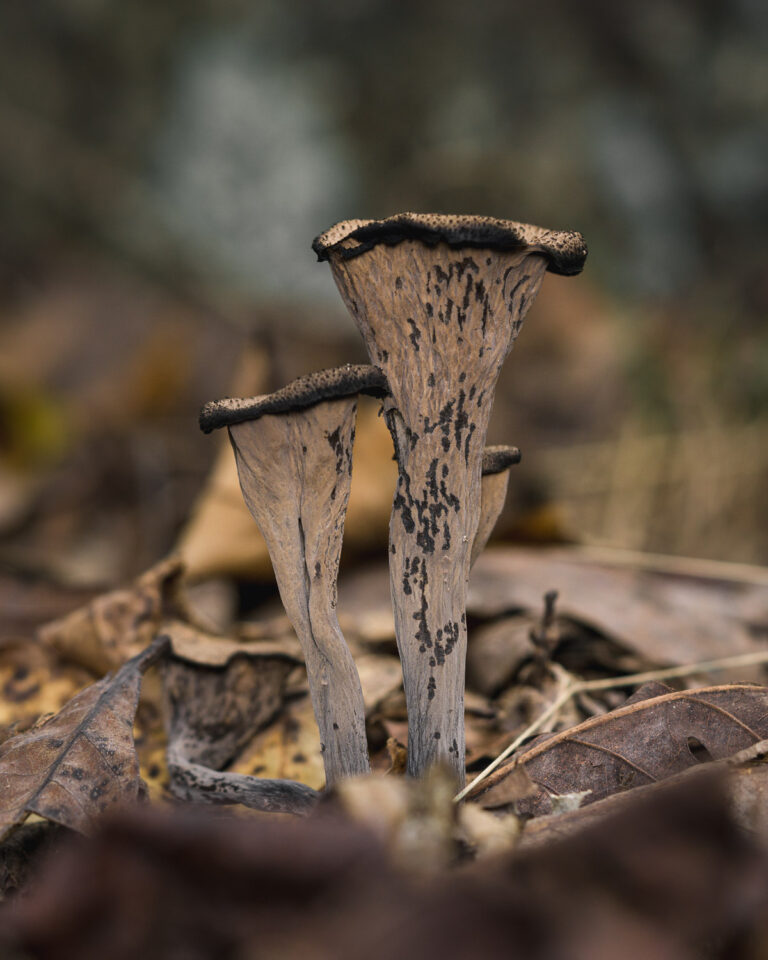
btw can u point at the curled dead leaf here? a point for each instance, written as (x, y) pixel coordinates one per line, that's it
(646, 740)
(82, 761)
(115, 626)
(218, 695)
(194, 646)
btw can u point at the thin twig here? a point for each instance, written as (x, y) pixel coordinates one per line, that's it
(699, 567)
(610, 683)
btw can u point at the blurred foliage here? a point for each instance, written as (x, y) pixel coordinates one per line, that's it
(171, 130)
(164, 167)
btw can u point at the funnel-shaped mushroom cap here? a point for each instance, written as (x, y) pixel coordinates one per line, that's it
(565, 251)
(346, 381)
(493, 486)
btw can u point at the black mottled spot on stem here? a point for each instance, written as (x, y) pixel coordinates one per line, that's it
(415, 334)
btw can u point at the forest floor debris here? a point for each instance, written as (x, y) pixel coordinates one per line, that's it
(584, 736)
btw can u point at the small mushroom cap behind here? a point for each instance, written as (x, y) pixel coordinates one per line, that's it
(493, 493)
(332, 384)
(499, 458)
(565, 251)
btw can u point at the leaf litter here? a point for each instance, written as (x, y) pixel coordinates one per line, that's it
(645, 741)
(217, 697)
(228, 720)
(79, 763)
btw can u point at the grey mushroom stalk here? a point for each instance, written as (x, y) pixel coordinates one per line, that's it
(439, 301)
(294, 459)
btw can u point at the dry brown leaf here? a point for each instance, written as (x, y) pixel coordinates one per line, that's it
(151, 742)
(485, 834)
(288, 749)
(744, 777)
(77, 764)
(516, 786)
(629, 605)
(645, 741)
(21, 852)
(195, 646)
(218, 696)
(33, 682)
(398, 756)
(115, 626)
(496, 650)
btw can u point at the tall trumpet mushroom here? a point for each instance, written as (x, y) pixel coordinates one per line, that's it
(493, 492)
(439, 301)
(294, 458)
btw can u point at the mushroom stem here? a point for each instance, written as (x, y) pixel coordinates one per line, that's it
(295, 476)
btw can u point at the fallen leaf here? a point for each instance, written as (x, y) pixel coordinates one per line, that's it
(151, 742)
(20, 853)
(33, 682)
(630, 605)
(74, 766)
(642, 742)
(398, 757)
(288, 749)
(115, 626)
(744, 778)
(196, 646)
(485, 834)
(516, 786)
(218, 695)
(495, 651)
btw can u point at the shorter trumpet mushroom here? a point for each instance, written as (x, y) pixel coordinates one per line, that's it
(493, 492)
(294, 458)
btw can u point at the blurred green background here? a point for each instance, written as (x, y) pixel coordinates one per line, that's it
(165, 166)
